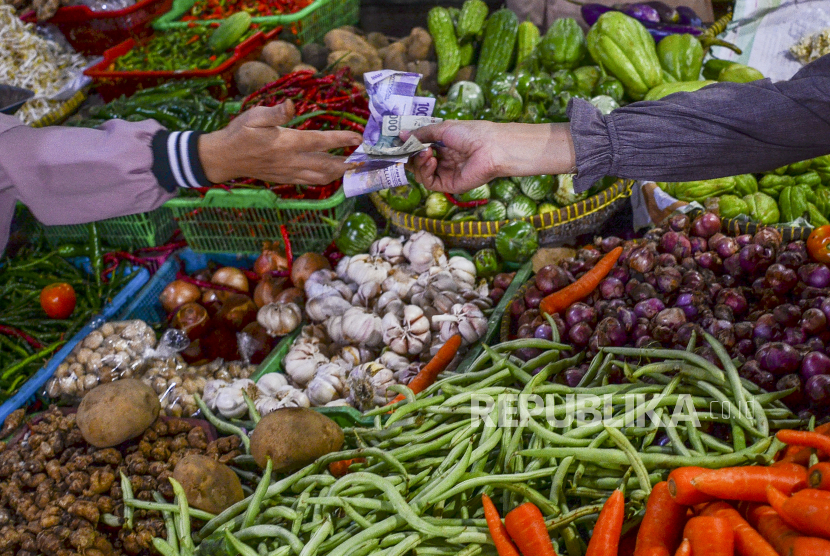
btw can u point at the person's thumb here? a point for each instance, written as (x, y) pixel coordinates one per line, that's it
(272, 116)
(426, 134)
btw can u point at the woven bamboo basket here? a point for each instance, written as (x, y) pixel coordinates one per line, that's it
(60, 114)
(737, 226)
(568, 222)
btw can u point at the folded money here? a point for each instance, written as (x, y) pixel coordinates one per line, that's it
(392, 125)
(366, 179)
(393, 146)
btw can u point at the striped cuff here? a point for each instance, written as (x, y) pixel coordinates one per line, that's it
(176, 160)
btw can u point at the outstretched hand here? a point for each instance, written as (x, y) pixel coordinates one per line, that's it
(254, 145)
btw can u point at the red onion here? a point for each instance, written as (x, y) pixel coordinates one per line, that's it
(671, 318)
(815, 274)
(815, 363)
(688, 264)
(813, 321)
(551, 278)
(752, 371)
(815, 344)
(750, 258)
(177, 293)
(533, 297)
(743, 330)
(237, 312)
(734, 299)
(610, 332)
(778, 358)
(692, 281)
(684, 334)
(577, 266)
(641, 260)
(640, 331)
(580, 312)
(518, 307)
(255, 343)
(573, 376)
(526, 330)
(627, 318)
(698, 244)
(745, 347)
(666, 259)
(709, 260)
(790, 259)
(496, 294)
(611, 288)
(765, 328)
(818, 390)
(580, 333)
(193, 319)
(723, 312)
(727, 247)
(610, 243)
(560, 325)
(679, 222)
(543, 332)
(503, 279)
(590, 254)
(641, 292)
(668, 278)
(648, 308)
(620, 273)
(706, 225)
(221, 343)
(526, 354)
(768, 237)
(709, 354)
(723, 332)
(794, 336)
(791, 381)
(780, 278)
(743, 239)
(528, 316)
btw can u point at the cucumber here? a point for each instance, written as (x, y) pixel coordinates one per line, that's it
(471, 19)
(442, 30)
(229, 32)
(497, 46)
(467, 53)
(527, 37)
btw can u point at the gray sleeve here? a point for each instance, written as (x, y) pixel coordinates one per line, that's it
(721, 130)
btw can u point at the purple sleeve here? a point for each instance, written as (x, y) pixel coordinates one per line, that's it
(721, 130)
(70, 175)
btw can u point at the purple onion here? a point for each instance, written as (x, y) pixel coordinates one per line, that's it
(778, 358)
(743, 330)
(526, 354)
(732, 265)
(684, 334)
(666, 259)
(818, 390)
(743, 239)
(610, 332)
(580, 312)
(791, 381)
(528, 316)
(723, 332)
(692, 281)
(679, 222)
(688, 264)
(543, 332)
(825, 307)
(525, 330)
(620, 273)
(518, 307)
(765, 328)
(640, 331)
(790, 259)
(815, 344)
(671, 318)
(668, 279)
(815, 363)
(608, 244)
(649, 308)
(794, 336)
(642, 291)
(715, 240)
(813, 321)
(685, 298)
(560, 325)
(750, 257)
(797, 247)
(590, 254)
(580, 333)
(709, 354)
(745, 347)
(641, 260)
(714, 289)
(627, 318)
(723, 312)
(768, 237)
(650, 279)
(708, 260)
(780, 278)
(786, 314)
(752, 371)
(662, 334)
(669, 241)
(698, 244)
(677, 245)
(734, 299)
(727, 247)
(577, 266)
(728, 281)
(573, 376)
(533, 297)
(551, 278)
(815, 274)
(706, 225)
(612, 288)
(628, 248)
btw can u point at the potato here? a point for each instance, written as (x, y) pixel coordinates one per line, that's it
(281, 55)
(252, 76)
(300, 67)
(394, 56)
(294, 437)
(315, 55)
(429, 70)
(356, 61)
(339, 39)
(378, 40)
(467, 73)
(209, 485)
(420, 44)
(117, 411)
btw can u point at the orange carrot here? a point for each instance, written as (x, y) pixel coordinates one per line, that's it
(341, 468)
(749, 483)
(504, 546)
(681, 489)
(685, 548)
(818, 476)
(526, 526)
(805, 438)
(799, 454)
(560, 300)
(662, 524)
(806, 512)
(748, 541)
(710, 536)
(435, 367)
(810, 546)
(605, 540)
(774, 529)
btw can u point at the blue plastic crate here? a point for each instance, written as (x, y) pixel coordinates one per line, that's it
(31, 387)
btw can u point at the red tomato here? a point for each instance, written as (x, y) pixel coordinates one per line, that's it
(58, 300)
(818, 244)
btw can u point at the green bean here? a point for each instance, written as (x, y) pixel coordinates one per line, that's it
(403, 546)
(379, 529)
(311, 480)
(169, 523)
(545, 358)
(259, 496)
(558, 479)
(252, 410)
(725, 402)
(164, 548)
(413, 406)
(451, 479)
(507, 478)
(639, 467)
(281, 551)
(513, 345)
(127, 495)
(260, 531)
(279, 512)
(694, 437)
(693, 358)
(715, 444)
(239, 546)
(556, 438)
(183, 520)
(223, 426)
(731, 373)
(566, 519)
(382, 455)
(470, 537)
(427, 436)
(164, 507)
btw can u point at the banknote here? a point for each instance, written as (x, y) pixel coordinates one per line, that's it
(393, 146)
(393, 125)
(365, 179)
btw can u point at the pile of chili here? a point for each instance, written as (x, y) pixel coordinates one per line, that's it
(220, 9)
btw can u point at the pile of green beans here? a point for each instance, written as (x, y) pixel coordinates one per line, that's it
(427, 463)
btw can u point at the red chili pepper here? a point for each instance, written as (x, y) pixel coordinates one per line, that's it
(465, 204)
(11, 331)
(287, 243)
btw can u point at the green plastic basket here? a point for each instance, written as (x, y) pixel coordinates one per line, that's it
(148, 229)
(305, 26)
(240, 220)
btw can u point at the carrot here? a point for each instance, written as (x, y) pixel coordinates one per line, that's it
(806, 512)
(560, 300)
(504, 546)
(662, 524)
(818, 476)
(805, 438)
(341, 468)
(810, 546)
(748, 541)
(681, 489)
(526, 526)
(799, 454)
(605, 540)
(435, 367)
(685, 548)
(774, 529)
(749, 483)
(710, 536)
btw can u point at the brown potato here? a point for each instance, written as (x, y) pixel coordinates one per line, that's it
(293, 437)
(358, 63)
(378, 40)
(114, 412)
(420, 44)
(209, 485)
(467, 73)
(394, 56)
(252, 76)
(281, 55)
(340, 39)
(299, 67)
(315, 55)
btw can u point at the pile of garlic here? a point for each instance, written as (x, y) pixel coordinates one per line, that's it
(378, 317)
(269, 393)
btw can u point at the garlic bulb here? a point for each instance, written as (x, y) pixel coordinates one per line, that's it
(324, 282)
(361, 327)
(393, 361)
(210, 391)
(405, 375)
(265, 405)
(230, 403)
(444, 301)
(389, 249)
(320, 392)
(408, 335)
(334, 328)
(366, 294)
(462, 269)
(389, 302)
(288, 396)
(279, 319)
(301, 363)
(368, 385)
(366, 268)
(321, 308)
(424, 250)
(268, 384)
(348, 356)
(467, 320)
(341, 270)
(341, 402)
(400, 281)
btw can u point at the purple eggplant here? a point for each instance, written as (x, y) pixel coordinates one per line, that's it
(662, 30)
(591, 12)
(667, 13)
(687, 16)
(641, 12)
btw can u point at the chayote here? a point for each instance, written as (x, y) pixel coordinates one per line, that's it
(792, 203)
(822, 201)
(731, 206)
(797, 168)
(816, 217)
(810, 179)
(745, 184)
(701, 190)
(772, 184)
(762, 208)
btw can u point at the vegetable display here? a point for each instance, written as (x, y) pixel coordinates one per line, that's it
(215, 9)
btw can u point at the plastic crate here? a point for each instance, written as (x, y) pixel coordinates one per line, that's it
(112, 84)
(239, 221)
(91, 33)
(305, 26)
(31, 387)
(133, 231)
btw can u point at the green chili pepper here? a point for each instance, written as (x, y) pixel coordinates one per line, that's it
(487, 262)
(356, 234)
(517, 241)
